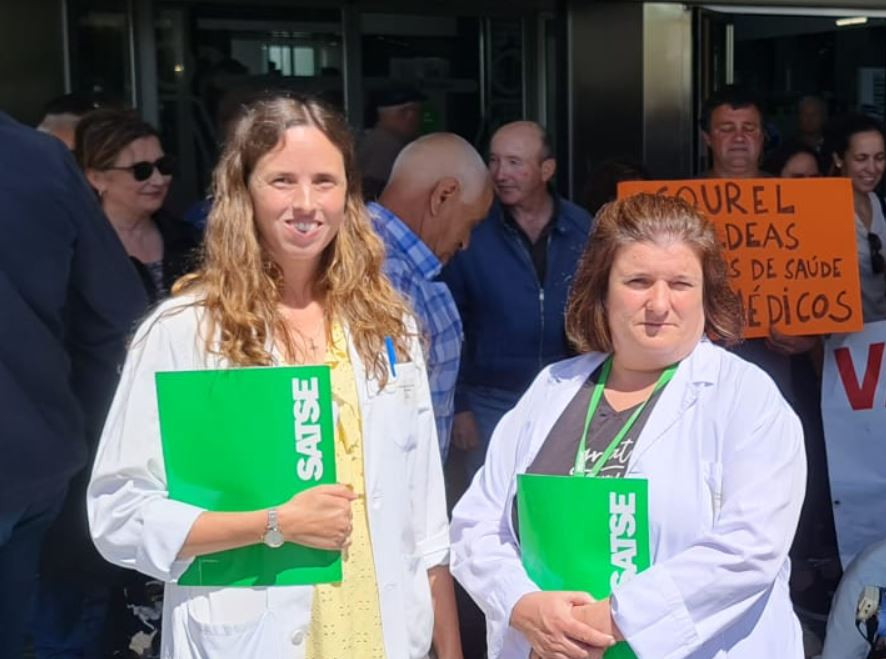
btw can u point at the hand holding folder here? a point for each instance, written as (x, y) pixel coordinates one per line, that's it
(246, 439)
(583, 534)
(320, 517)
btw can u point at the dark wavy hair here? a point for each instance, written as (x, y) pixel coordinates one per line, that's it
(839, 133)
(776, 161)
(648, 218)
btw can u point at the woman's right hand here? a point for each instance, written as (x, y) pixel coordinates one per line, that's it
(546, 620)
(319, 517)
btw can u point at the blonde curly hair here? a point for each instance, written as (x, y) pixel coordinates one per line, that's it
(239, 284)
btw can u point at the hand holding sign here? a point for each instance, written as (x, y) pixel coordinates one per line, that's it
(319, 517)
(789, 245)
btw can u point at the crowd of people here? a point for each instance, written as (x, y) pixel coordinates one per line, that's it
(533, 335)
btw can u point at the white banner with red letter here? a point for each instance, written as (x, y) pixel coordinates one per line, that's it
(853, 406)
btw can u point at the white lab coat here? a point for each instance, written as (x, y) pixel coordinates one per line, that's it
(135, 525)
(723, 454)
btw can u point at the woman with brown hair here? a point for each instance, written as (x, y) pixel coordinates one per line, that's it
(125, 164)
(652, 398)
(856, 148)
(291, 275)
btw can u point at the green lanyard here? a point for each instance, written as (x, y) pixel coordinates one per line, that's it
(579, 469)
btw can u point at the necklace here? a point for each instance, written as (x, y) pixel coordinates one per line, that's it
(307, 347)
(311, 343)
(305, 333)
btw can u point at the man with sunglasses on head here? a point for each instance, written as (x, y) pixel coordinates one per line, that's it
(69, 298)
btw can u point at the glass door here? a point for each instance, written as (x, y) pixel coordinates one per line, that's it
(212, 59)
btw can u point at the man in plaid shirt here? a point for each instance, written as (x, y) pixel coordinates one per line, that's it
(438, 191)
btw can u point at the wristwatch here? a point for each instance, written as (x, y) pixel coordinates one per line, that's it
(272, 537)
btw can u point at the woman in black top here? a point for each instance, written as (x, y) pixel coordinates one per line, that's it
(124, 162)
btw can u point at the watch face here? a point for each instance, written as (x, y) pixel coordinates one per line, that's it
(273, 538)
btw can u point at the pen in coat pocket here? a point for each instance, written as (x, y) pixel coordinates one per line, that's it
(392, 356)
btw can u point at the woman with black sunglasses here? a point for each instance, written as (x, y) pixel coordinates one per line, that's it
(124, 162)
(856, 150)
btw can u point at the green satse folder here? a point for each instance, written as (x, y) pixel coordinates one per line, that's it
(583, 534)
(246, 439)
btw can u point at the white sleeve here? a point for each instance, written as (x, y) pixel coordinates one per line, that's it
(132, 521)
(674, 607)
(485, 556)
(426, 485)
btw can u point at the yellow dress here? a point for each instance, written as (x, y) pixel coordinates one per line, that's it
(345, 617)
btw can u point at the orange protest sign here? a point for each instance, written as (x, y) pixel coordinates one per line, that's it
(789, 245)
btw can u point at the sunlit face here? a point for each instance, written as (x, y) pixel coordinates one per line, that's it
(452, 228)
(121, 195)
(299, 192)
(654, 303)
(864, 161)
(800, 165)
(515, 162)
(735, 136)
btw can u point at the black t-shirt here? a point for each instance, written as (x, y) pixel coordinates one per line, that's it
(557, 455)
(538, 250)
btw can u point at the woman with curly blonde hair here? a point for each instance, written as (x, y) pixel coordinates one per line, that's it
(292, 274)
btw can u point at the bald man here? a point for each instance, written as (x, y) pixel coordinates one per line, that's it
(438, 191)
(511, 285)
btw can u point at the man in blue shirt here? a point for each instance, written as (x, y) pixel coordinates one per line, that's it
(438, 191)
(511, 285)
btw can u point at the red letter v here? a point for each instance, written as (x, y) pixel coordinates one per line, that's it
(860, 398)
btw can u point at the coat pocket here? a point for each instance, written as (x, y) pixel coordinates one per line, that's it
(218, 627)
(398, 406)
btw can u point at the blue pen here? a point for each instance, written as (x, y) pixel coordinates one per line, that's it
(392, 355)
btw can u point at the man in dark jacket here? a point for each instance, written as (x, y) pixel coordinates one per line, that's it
(511, 285)
(69, 297)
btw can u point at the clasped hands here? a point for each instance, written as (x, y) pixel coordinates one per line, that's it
(565, 625)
